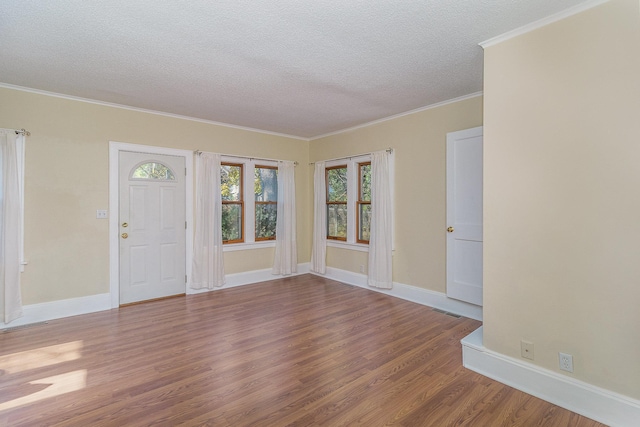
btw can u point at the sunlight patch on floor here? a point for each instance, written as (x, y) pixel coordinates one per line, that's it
(40, 357)
(37, 390)
(55, 386)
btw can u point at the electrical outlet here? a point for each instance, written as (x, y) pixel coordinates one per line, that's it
(526, 349)
(566, 362)
(362, 269)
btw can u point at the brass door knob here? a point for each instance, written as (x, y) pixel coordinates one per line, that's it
(450, 229)
(125, 225)
(125, 235)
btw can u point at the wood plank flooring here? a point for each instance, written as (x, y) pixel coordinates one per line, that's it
(298, 351)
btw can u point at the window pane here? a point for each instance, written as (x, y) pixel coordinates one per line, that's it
(266, 215)
(365, 182)
(231, 182)
(231, 222)
(266, 184)
(153, 170)
(337, 220)
(364, 224)
(337, 184)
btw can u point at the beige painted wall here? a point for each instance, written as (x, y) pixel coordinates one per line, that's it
(67, 157)
(561, 195)
(419, 141)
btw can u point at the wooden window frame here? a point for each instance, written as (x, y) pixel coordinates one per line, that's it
(360, 202)
(240, 202)
(330, 202)
(255, 210)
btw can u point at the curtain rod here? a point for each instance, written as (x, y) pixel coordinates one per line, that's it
(388, 150)
(21, 131)
(198, 152)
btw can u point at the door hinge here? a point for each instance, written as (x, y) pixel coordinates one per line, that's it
(185, 278)
(185, 225)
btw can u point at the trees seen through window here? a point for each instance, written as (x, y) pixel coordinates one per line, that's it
(266, 201)
(336, 184)
(363, 210)
(232, 202)
(247, 218)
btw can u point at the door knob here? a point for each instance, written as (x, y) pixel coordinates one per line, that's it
(450, 229)
(125, 235)
(125, 225)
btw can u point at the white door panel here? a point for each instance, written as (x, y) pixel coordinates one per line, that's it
(137, 265)
(467, 166)
(464, 215)
(152, 229)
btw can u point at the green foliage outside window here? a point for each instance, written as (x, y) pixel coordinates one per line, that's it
(337, 203)
(232, 207)
(266, 198)
(365, 182)
(337, 184)
(153, 170)
(364, 202)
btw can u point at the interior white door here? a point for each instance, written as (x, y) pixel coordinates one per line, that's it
(464, 215)
(151, 226)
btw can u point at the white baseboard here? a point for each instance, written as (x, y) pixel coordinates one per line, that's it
(585, 399)
(46, 311)
(250, 277)
(72, 307)
(408, 292)
(43, 312)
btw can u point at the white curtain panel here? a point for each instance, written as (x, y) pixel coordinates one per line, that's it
(380, 239)
(208, 258)
(319, 247)
(11, 154)
(286, 259)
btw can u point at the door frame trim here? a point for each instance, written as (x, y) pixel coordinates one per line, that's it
(114, 209)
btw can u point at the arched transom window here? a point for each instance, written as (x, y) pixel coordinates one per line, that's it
(153, 171)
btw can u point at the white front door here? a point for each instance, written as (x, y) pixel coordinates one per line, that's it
(464, 215)
(151, 226)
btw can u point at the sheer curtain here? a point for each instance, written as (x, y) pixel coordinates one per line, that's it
(11, 214)
(319, 248)
(380, 240)
(208, 261)
(286, 259)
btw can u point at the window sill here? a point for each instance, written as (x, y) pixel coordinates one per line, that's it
(345, 245)
(231, 247)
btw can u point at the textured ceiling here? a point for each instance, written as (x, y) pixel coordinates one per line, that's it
(297, 67)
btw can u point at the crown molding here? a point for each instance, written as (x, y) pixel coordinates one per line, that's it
(542, 22)
(395, 116)
(144, 110)
(249, 129)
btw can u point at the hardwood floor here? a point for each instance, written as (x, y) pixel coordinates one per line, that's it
(299, 351)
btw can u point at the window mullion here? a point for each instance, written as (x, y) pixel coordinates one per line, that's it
(352, 197)
(249, 202)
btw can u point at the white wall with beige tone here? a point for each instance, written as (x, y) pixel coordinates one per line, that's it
(562, 198)
(419, 142)
(67, 158)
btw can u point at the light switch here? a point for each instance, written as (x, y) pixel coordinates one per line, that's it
(101, 213)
